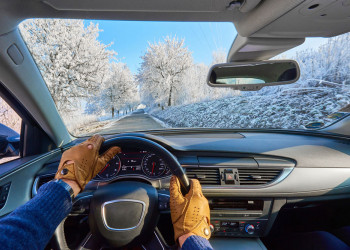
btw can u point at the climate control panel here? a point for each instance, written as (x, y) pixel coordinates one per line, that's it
(236, 228)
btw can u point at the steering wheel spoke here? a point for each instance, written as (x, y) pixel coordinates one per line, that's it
(157, 243)
(163, 202)
(81, 204)
(90, 242)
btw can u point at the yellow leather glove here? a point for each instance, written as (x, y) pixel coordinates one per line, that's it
(82, 162)
(189, 213)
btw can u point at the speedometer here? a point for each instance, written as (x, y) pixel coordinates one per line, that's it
(153, 166)
(111, 169)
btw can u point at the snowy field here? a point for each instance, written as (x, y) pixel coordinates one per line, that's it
(288, 107)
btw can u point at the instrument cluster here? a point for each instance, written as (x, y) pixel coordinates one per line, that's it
(134, 162)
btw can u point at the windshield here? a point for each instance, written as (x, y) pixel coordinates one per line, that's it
(122, 76)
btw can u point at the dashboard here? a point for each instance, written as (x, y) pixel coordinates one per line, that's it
(134, 162)
(247, 177)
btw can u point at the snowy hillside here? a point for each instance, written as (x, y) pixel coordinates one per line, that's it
(290, 106)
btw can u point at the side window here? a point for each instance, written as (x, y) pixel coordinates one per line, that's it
(10, 129)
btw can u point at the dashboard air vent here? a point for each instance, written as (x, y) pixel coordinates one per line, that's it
(257, 176)
(43, 179)
(206, 176)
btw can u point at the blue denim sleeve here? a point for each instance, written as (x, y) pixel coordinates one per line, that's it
(32, 225)
(196, 242)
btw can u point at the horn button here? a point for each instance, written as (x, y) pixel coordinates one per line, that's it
(115, 212)
(124, 213)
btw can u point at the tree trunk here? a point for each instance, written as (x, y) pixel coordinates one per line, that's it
(170, 92)
(112, 112)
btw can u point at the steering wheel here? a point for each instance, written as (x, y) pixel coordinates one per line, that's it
(126, 213)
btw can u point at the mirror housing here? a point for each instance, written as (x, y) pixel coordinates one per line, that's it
(252, 76)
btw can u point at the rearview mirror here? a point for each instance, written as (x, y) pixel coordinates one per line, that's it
(252, 76)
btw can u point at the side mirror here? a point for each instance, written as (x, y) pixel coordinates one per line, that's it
(9, 142)
(253, 76)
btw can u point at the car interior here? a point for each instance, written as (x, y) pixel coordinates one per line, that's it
(267, 188)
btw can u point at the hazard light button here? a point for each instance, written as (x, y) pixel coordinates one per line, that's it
(231, 177)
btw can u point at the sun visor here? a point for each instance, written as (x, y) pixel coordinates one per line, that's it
(257, 49)
(139, 5)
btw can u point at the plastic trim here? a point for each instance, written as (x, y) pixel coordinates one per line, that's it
(160, 242)
(281, 177)
(36, 181)
(24, 165)
(130, 175)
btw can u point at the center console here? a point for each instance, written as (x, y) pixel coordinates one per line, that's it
(239, 217)
(237, 243)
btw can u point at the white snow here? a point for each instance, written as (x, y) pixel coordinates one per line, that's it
(287, 107)
(9, 117)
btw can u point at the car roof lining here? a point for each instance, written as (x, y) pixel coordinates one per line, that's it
(277, 31)
(267, 16)
(264, 19)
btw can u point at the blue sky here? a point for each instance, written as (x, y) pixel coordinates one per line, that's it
(130, 38)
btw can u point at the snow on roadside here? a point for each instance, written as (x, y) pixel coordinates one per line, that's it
(288, 107)
(95, 126)
(90, 127)
(163, 124)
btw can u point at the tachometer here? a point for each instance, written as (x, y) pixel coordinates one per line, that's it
(153, 166)
(111, 169)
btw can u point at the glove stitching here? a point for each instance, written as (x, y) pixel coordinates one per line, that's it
(199, 223)
(185, 204)
(188, 204)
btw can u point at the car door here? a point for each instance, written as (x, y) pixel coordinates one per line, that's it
(24, 147)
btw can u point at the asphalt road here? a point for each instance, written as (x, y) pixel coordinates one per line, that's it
(135, 122)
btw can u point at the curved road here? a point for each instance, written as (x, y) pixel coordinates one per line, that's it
(137, 121)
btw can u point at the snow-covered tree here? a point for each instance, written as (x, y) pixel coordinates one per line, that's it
(119, 93)
(195, 86)
(329, 62)
(163, 67)
(9, 117)
(120, 89)
(219, 56)
(72, 60)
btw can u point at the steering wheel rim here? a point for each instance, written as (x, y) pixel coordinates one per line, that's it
(173, 164)
(136, 142)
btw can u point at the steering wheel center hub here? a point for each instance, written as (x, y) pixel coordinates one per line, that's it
(134, 210)
(124, 213)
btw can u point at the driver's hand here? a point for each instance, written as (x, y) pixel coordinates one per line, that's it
(190, 214)
(82, 162)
